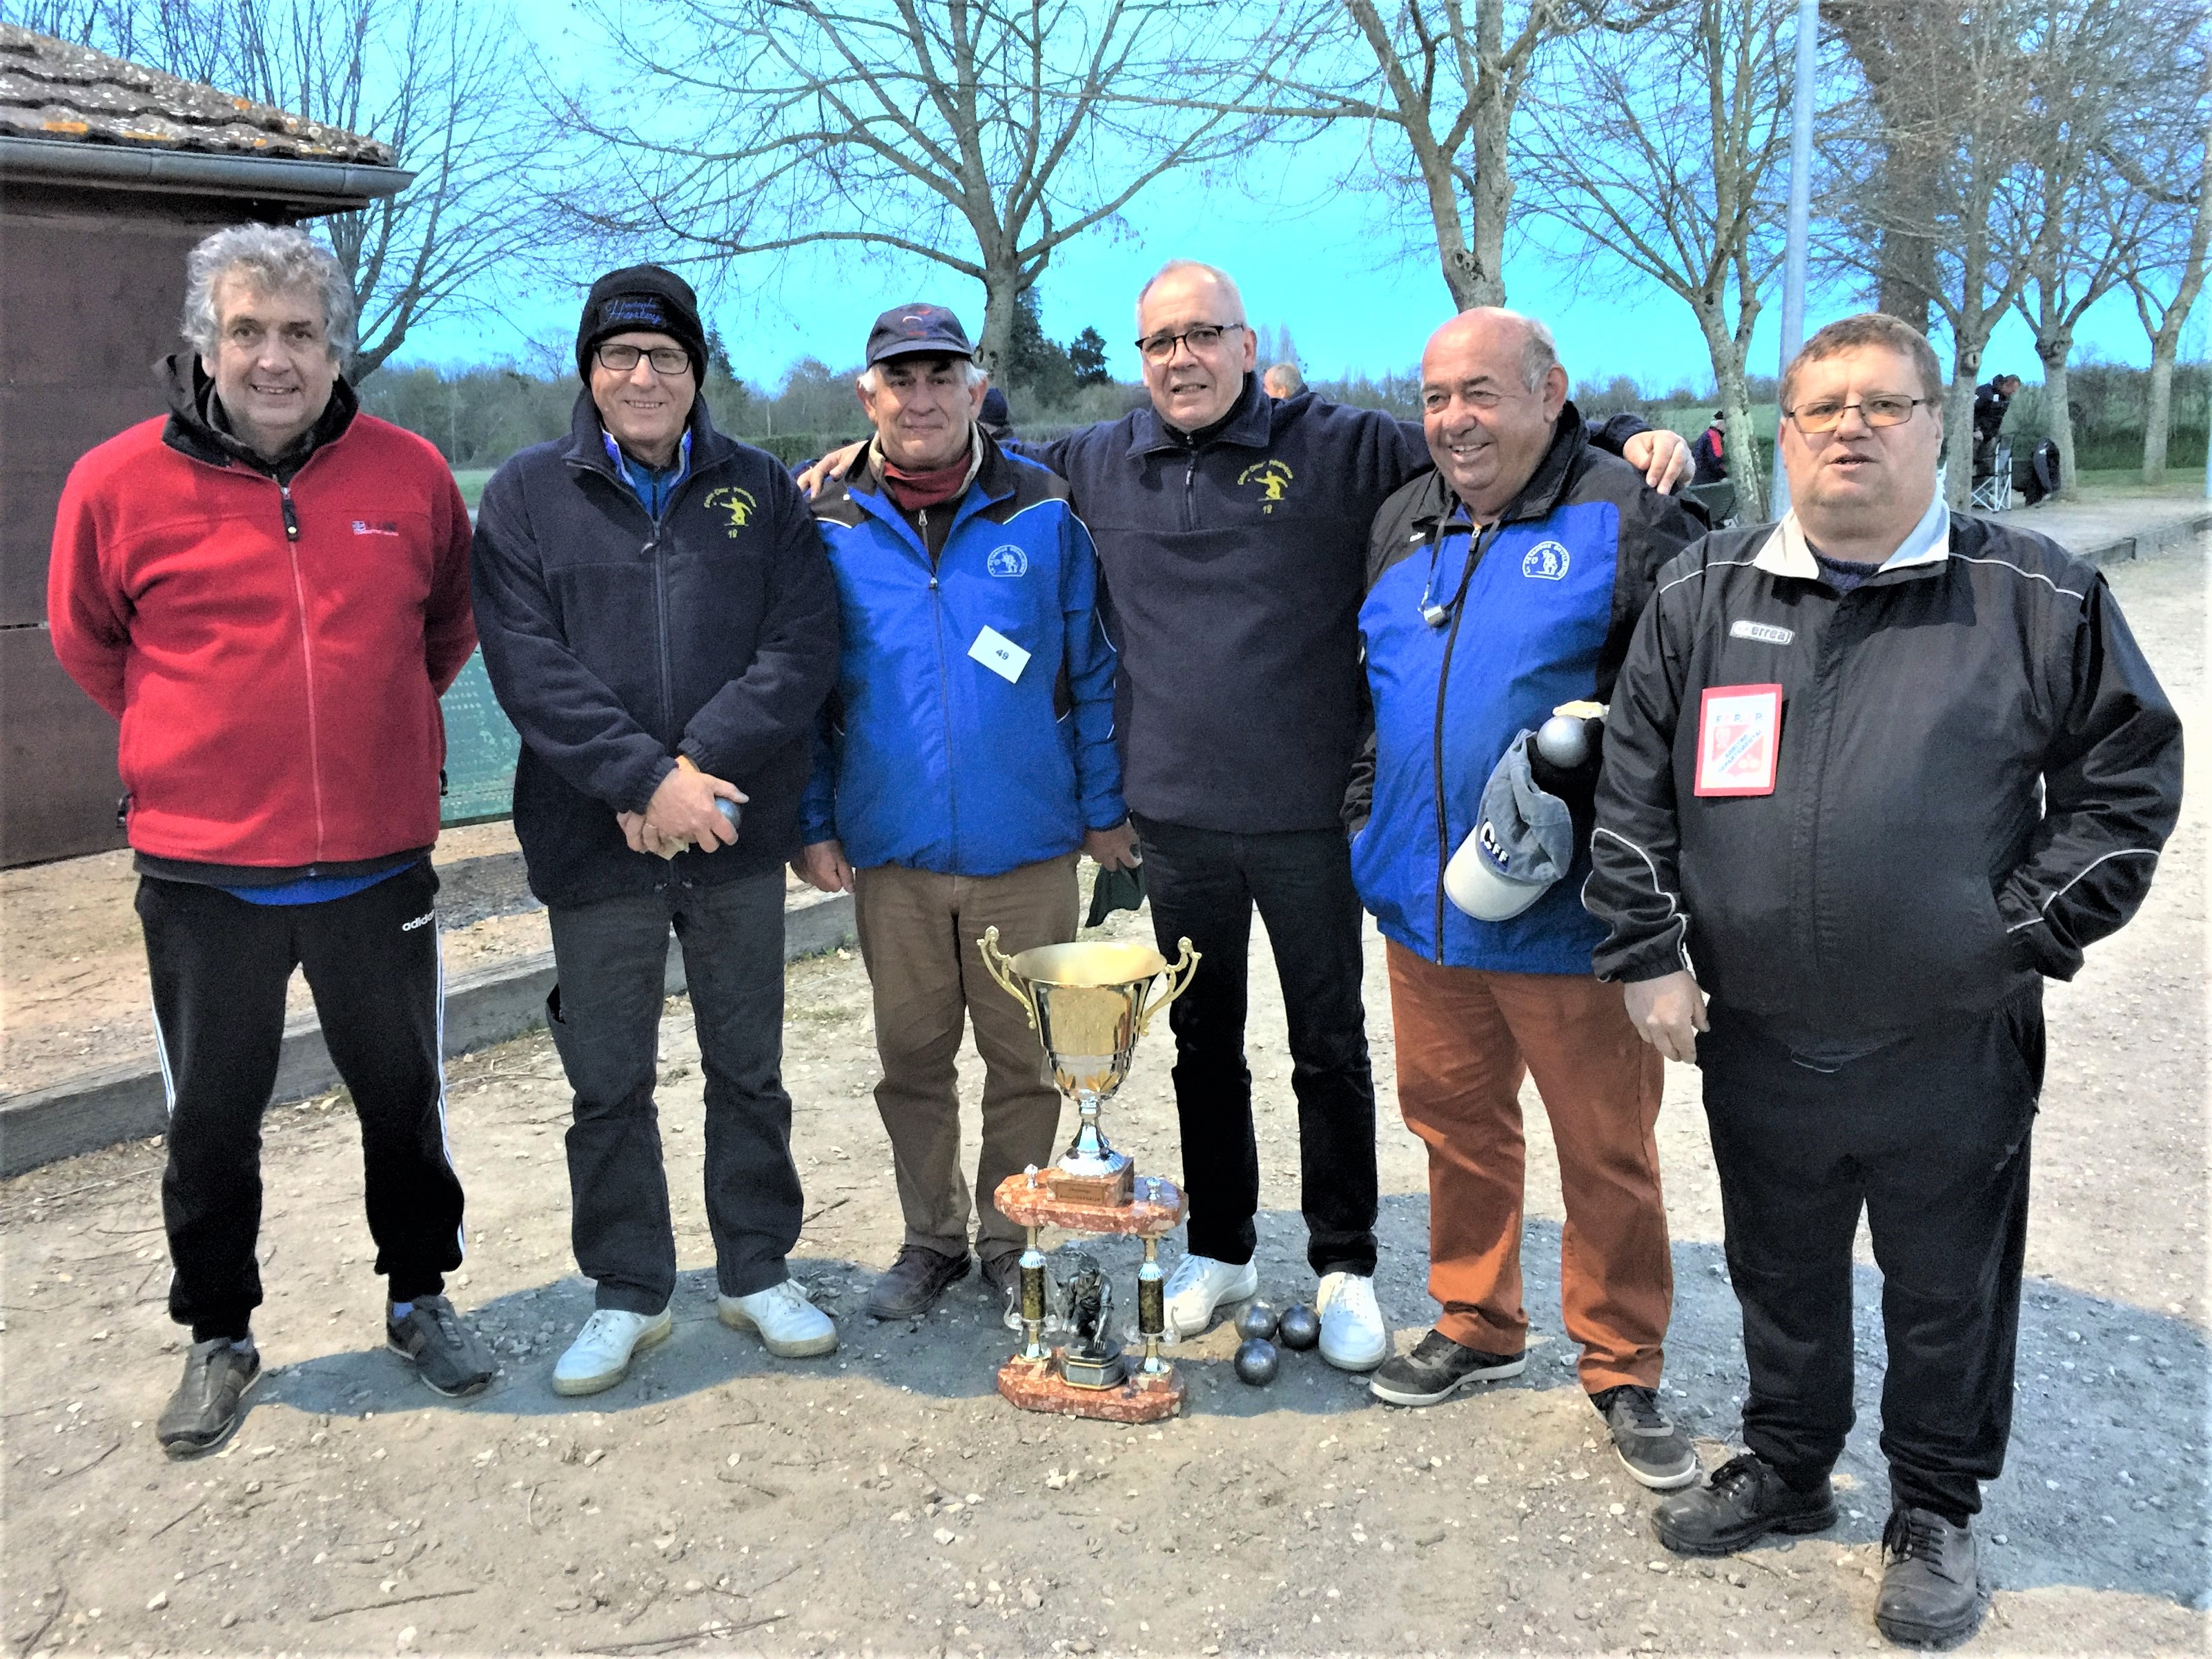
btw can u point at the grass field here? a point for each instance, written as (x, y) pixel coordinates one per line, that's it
(472, 480)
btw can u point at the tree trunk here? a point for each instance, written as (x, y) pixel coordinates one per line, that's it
(1002, 288)
(2058, 412)
(1743, 459)
(2160, 417)
(1959, 421)
(1483, 283)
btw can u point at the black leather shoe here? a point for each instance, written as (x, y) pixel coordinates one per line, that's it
(1437, 1369)
(208, 1403)
(914, 1280)
(1745, 1499)
(1002, 1283)
(1931, 1587)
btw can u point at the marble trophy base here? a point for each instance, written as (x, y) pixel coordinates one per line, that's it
(1149, 1210)
(1036, 1385)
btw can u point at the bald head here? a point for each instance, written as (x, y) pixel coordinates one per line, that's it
(1196, 372)
(1492, 391)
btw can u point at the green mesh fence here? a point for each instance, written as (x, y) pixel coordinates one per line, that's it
(480, 747)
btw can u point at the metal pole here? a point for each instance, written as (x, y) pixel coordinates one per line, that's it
(1800, 214)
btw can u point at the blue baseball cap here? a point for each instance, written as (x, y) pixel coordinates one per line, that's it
(912, 331)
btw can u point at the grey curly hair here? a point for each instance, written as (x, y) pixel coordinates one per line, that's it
(273, 258)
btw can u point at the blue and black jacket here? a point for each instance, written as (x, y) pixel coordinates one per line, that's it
(1232, 559)
(1538, 610)
(926, 757)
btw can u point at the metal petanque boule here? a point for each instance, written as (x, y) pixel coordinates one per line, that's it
(1257, 1361)
(1299, 1328)
(1257, 1320)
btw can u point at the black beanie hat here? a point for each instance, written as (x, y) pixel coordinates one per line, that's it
(647, 299)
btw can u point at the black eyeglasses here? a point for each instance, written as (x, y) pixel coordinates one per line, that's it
(623, 359)
(1202, 337)
(1883, 409)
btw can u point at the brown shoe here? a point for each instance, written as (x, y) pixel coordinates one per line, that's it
(911, 1284)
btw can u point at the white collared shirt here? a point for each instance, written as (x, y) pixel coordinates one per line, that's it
(1788, 553)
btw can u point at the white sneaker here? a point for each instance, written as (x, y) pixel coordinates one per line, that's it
(1198, 1286)
(599, 1357)
(788, 1321)
(1352, 1336)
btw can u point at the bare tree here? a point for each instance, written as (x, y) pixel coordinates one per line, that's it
(1974, 208)
(437, 80)
(1446, 77)
(2087, 221)
(1666, 152)
(2166, 280)
(978, 135)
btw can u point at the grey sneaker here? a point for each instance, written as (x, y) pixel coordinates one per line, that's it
(1931, 1588)
(447, 1356)
(208, 1404)
(1650, 1446)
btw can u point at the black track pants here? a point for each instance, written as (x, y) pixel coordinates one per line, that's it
(1930, 1137)
(219, 967)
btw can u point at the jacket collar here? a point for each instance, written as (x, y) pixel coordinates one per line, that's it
(193, 429)
(1786, 553)
(1251, 425)
(1537, 499)
(587, 446)
(995, 477)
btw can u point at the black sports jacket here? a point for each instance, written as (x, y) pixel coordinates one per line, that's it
(1976, 771)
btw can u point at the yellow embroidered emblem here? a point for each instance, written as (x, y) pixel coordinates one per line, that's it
(737, 503)
(1272, 475)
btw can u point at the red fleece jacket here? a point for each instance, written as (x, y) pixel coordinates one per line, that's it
(278, 692)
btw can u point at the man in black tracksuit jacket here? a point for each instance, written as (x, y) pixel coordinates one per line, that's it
(659, 622)
(1875, 777)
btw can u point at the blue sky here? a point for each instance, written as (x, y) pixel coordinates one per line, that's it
(1309, 257)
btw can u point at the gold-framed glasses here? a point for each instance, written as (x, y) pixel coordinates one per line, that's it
(1882, 408)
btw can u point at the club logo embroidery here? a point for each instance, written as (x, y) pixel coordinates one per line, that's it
(381, 527)
(1007, 561)
(1546, 562)
(737, 503)
(1272, 477)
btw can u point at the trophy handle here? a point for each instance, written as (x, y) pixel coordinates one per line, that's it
(1178, 977)
(1001, 969)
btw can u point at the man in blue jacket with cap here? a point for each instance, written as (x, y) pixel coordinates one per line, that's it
(965, 758)
(1501, 587)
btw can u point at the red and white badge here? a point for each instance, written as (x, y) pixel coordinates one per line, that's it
(1739, 735)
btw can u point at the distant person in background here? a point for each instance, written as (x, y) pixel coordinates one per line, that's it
(1283, 380)
(1991, 400)
(995, 418)
(660, 624)
(1709, 455)
(270, 590)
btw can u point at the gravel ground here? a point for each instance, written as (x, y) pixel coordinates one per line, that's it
(886, 1501)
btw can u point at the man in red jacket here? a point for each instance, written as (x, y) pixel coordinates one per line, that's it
(270, 590)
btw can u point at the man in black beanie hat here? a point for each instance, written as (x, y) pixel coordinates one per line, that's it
(660, 624)
(641, 297)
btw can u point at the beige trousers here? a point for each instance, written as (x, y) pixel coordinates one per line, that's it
(918, 932)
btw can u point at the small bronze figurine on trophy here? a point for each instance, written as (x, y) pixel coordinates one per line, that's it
(1089, 1003)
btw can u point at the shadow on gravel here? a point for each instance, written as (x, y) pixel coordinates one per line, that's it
(2106, 1487)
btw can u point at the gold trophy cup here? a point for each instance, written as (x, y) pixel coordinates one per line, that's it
(1088, 1003)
